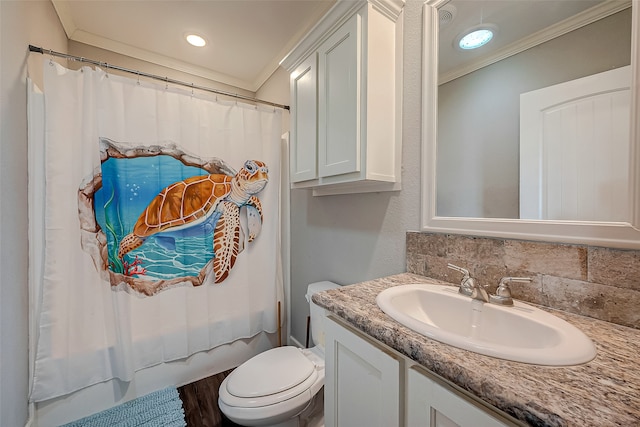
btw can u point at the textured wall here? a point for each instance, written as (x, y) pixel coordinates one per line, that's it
(592, 281)
(22, 23)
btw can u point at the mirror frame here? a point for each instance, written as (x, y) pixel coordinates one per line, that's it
(609, 234)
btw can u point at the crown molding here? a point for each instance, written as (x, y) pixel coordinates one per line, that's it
(332, 20)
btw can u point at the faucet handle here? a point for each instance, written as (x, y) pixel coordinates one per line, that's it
(503, 293)
(460, 270)
(468, 283)
(470, 286)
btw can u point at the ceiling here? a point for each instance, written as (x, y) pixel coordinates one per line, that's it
(246, 38)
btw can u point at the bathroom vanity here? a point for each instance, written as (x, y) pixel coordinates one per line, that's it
(368, 383)
(379, 372)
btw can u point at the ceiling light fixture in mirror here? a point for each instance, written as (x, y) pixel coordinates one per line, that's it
(476, 37)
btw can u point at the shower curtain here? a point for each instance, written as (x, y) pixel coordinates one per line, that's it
(157, 210)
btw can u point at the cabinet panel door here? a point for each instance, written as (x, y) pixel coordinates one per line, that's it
(362, 382)
(338, 92)
(430, 404)
(303, 150)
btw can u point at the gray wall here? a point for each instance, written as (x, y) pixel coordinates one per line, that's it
(87, 51)
(352, 238)
(478, 121)
(21, 23)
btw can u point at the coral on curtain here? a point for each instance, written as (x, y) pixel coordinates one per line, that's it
(160, 225)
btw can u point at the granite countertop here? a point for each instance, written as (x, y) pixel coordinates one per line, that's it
(603, 392)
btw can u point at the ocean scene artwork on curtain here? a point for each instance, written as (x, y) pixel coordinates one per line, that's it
(168, 221)
(158, 213)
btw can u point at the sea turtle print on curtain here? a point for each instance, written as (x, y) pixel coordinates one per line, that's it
(169, 217)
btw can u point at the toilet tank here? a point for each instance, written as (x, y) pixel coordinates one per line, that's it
(317, 312)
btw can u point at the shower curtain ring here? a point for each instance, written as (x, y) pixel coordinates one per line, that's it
(166, 83)
(192, 89)
(50, 57)
(138, 78)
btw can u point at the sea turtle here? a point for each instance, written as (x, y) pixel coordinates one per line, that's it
(205, 201)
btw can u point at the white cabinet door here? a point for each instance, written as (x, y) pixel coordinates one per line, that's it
(433, 404)
(362, 382)
(304, 94)
(339, 75)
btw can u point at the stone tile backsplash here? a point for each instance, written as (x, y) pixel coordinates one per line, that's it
(602, 283)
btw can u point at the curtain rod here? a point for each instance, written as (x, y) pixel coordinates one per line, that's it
(152, 76)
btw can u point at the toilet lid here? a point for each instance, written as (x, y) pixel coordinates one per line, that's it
(271, 372)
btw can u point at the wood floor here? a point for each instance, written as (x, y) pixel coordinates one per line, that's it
(200, 403)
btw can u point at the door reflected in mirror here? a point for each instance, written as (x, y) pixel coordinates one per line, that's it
(535, 124)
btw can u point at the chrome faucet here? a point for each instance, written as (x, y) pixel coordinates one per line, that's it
(503, 293)
(470, 286)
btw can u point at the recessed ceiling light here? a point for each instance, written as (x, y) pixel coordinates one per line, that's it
(196, 40)
(476, 37)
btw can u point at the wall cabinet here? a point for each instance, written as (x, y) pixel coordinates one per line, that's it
(369, 384)
(346, 85)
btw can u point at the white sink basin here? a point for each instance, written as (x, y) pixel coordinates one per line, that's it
(520, 333)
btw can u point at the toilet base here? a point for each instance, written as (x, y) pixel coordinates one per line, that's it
(311, 416)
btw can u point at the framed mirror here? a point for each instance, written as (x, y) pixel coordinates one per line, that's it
(502, 154)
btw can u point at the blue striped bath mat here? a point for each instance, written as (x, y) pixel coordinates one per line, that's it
(159, 409)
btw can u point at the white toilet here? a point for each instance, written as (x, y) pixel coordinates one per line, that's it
(274, 388)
